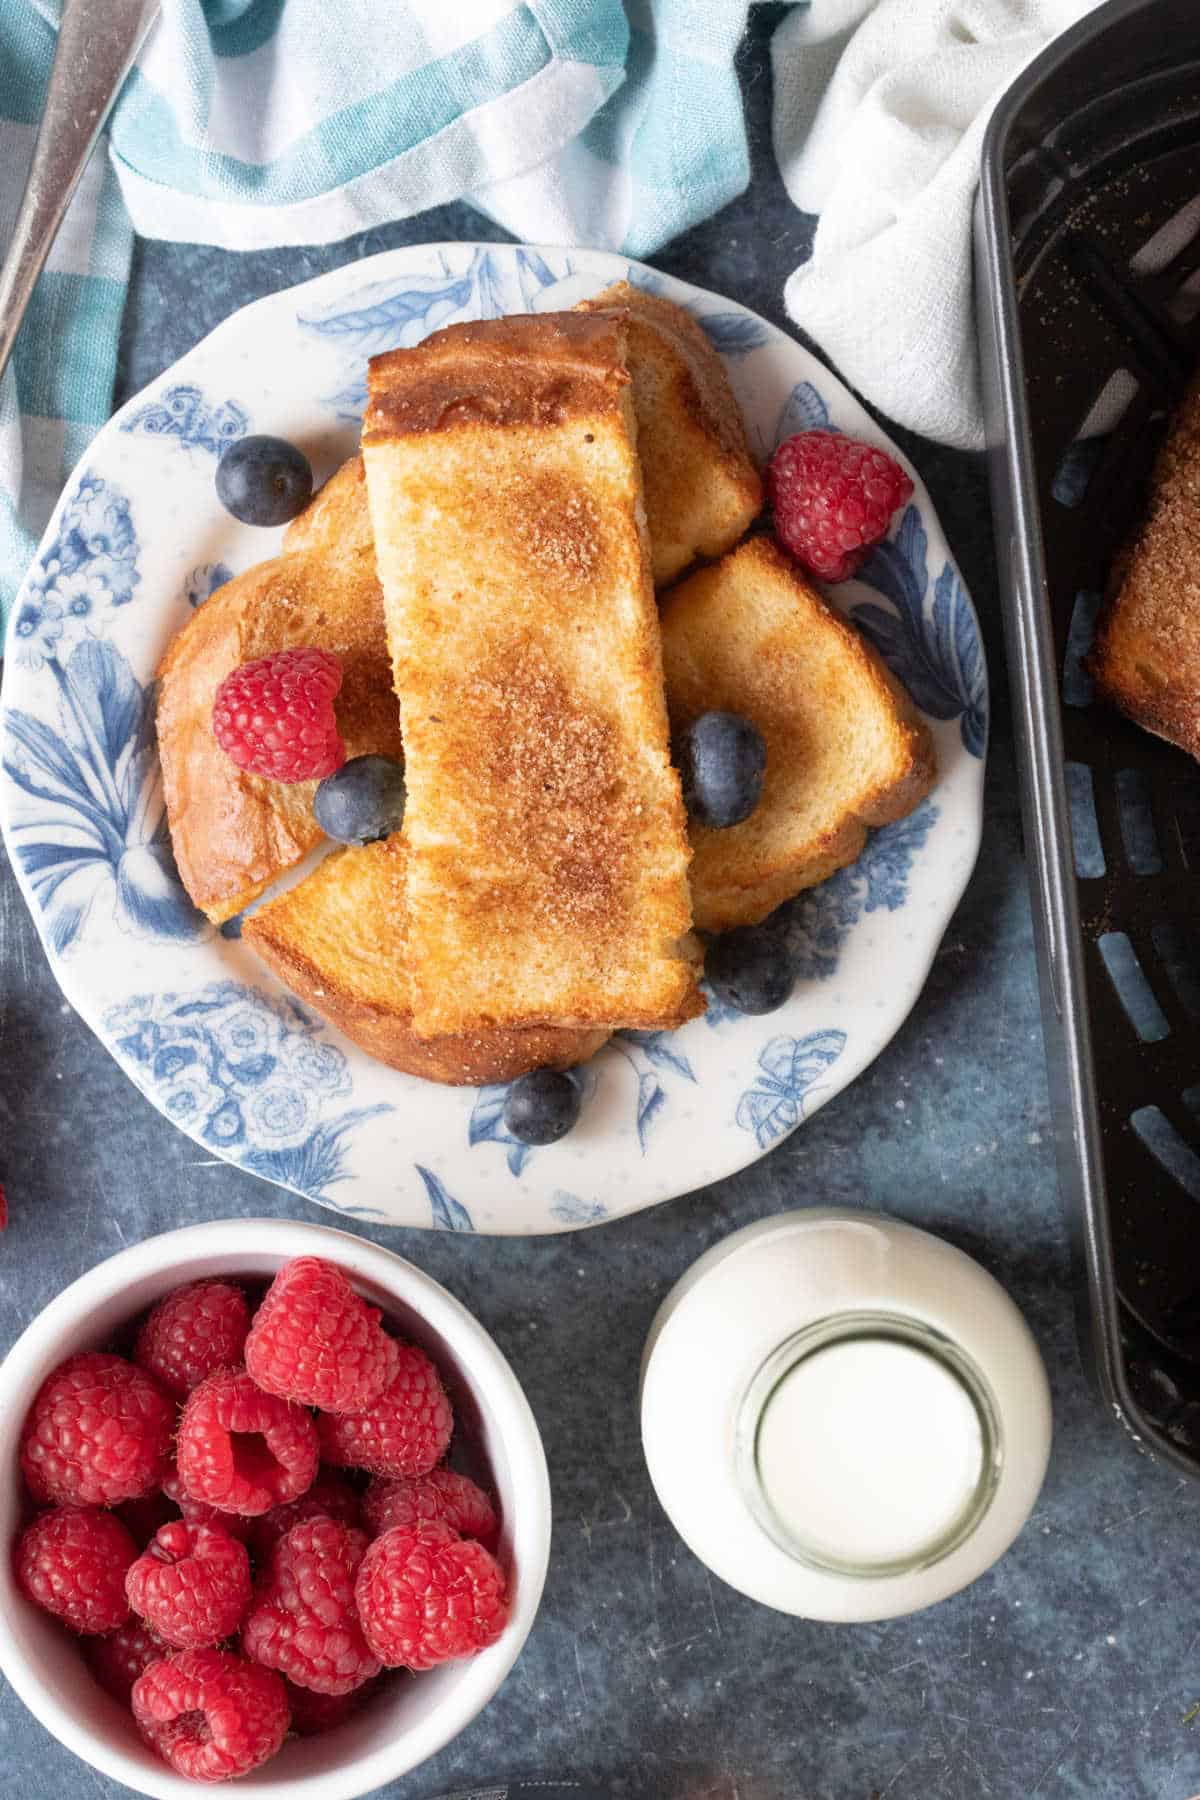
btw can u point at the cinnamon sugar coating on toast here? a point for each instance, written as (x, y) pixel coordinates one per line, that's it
(1146, 655)
(547, 853)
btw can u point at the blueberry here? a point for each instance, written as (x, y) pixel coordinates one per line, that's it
(749, 968)
(362, 801)
(542, 1106)
(264, 480)
(722, 758)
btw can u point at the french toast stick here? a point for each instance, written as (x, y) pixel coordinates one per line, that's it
(336, 939)
(702, 488)
(547, 867)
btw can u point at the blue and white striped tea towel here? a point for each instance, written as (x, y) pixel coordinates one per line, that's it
(62, 368)
(250, 123)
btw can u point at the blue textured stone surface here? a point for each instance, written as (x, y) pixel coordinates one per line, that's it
(1064, 1674)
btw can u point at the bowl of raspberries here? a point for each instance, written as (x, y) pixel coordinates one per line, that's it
(277, 1511)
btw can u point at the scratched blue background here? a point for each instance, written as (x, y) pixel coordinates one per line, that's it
(1065, 1674)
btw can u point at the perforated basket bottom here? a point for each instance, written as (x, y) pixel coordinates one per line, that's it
(1106, 215)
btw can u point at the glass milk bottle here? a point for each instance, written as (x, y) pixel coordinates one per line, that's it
(844, 1417)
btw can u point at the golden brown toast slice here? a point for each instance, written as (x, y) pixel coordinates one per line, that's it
(1146, 656)
(702, 488)
(547, 874)
(846, 748)
(234, 833)
(337, 940)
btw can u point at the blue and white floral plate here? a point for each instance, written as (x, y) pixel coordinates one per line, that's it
(198, 1024)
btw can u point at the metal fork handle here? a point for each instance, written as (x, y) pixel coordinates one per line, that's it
(97, 42)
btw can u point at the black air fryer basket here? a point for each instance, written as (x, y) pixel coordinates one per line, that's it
(1088, 292)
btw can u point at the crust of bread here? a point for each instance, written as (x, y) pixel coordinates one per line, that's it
(1146, 653)
(547, 873)
(336, 940)
(233, 834)
(846, 748)
(702, 488)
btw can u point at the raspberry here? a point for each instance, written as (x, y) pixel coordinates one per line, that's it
(425, 1595)
(442, 1494)
(242, 1450)
(407, 1430)
(210, 1714)
(118, 1658)
(302, 1619)
(329, 1497)
(99, 1431)
(833, 499)
(275, 717)
(192, 1584)
(314, 1713)
(199, 1512)
(72, 1562)
(192, 1332)
(314, 1341)
(142, 1518)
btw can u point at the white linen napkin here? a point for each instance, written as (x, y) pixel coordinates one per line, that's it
(879, 117)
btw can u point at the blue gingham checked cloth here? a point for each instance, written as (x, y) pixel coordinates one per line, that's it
(253, 123)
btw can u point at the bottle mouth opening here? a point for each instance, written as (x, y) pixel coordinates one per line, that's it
(868, 1445)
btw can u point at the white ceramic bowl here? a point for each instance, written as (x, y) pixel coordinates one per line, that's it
(402, 1728)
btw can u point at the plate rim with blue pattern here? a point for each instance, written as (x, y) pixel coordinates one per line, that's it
(206, 1032)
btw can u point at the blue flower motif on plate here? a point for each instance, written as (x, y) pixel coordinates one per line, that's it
(803, 410)
(243, 1036)
(204, 581)
(183, 412)
(717, 1012)
(448, 1213)
(385, 317)
(569, 1209)
(93, 819)
(649, 280)
(38, 628)
(318, 1065)
(486, 1124)
(936, 654)
(790, 1067)
(248, 1074)
(651, 1054)
(660, 1048)
(729, 333)
(732, 333)
(816, 922)
(88, 568)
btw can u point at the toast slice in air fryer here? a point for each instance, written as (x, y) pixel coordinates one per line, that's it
(1146, 654)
